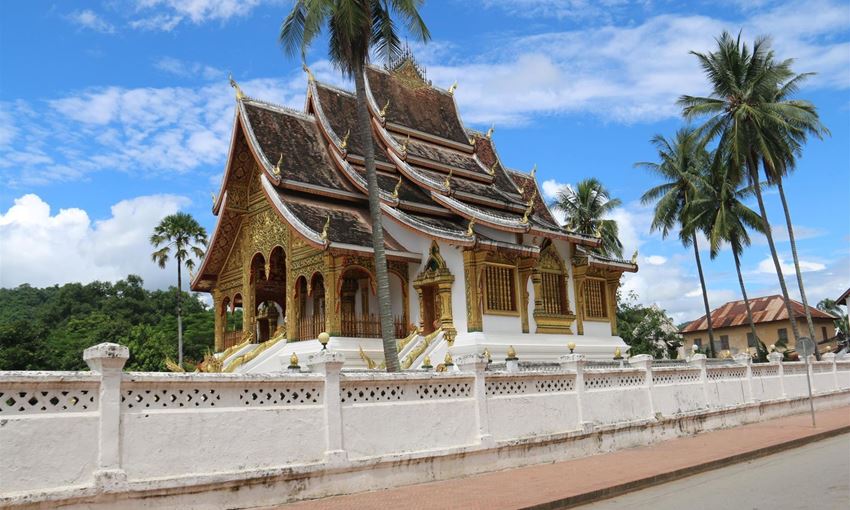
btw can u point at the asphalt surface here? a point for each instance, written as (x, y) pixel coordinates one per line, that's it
(815, 476)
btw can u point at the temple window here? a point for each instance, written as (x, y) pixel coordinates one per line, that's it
(500, 283)
(595, 306)
(554, 293)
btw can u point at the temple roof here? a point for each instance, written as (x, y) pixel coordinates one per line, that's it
(435, 177)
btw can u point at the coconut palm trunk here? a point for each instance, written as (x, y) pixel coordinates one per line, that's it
(704, 296)
(381, 274)
(744, 294)
(773, 254)
(179, 313)
(796, 259)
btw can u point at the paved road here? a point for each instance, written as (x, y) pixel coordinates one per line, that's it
(815, 476)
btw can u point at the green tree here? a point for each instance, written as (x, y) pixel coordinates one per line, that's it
(681, 163)
(718, 209)
(831, 307)
(355, 27)
(751, 119)
(585, 208)
(181, 236)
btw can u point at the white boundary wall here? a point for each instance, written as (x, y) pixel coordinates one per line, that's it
(146, 440)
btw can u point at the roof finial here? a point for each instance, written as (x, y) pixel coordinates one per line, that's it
(397, 187)
(634, 257)
(533, 170)
(212, 195)
(309, 73)
(453, 88)
(344, 143)
(324, 234)
(492, 169)
(405, 144)
(276, 169)
(598, 232)
(469, 230)
(448, 182)
(239, 94)
(383, 112)
(490, 131)
(528, 209)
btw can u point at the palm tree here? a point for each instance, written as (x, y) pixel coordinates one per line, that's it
(718, 210)
(585, 208)
(842, 324)
(682, 161)
(355, 27)
(751, 119)
(181, 236)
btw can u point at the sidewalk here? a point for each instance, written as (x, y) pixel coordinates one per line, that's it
(564, 484)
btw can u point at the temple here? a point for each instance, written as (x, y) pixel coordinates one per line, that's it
(476, 259)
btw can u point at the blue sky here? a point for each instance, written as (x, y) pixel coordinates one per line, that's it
(113, 114)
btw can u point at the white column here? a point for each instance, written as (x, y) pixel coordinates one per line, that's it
(644, 361)
(476, 364)
(775, 358)
(746, 360)
(575, 363)
(108, 359)
(830, 356)
(329, 364)
(698, 360)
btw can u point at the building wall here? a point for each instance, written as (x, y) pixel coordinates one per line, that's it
(768, 333)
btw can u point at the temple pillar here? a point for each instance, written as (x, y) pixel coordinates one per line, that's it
(444, 294)
(471, 266)
(220, 323)
(333, 325)
(578, 281)
(249, 307)
(612, 283)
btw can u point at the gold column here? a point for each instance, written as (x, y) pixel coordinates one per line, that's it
(471, 268)
(249, 311)
(578, 280)
(444, 293)
(218, 307)
(612, 283)
(333, 325)
(421, 309)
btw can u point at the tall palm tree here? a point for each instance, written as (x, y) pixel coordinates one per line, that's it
(585, 208)
(181, 236)
(355, 27)
(718, 209)
(681, 162)
(751, 119)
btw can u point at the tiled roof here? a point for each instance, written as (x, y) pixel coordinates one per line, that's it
(764, 309)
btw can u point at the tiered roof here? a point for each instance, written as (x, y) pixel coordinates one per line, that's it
(435, 177)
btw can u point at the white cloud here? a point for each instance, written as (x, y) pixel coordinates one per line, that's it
(780, 234)
(90, 20)
(655, 260)
(41, 248)
(766, 266)
(165, 15)
(186, 69)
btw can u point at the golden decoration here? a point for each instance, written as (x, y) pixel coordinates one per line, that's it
(533, 170)
(618, 354)
(448, 182)
(276, 169)
(528, 210)
(383, 112)
(492, 169)
(212, 195)
(405, 144)
(488, 355)
(471, 139)
(511, 353)
(490, 131)
(309, 73)
(453, 88)
(293, 360)
(448, 359)
(397, 187)
(370, 363)
(634, 257)
(598, 232)
(239, 94)
(469, 230)
(344, 143)
(426, 363)
(324, 234)
(571, 346)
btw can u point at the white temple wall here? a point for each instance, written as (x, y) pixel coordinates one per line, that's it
(396, 295)
(179, 431)
(565, 250)
(597, 328)
(454, 261)
(529, 289)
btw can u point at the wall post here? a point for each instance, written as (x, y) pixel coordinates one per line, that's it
(108, 359)
(329, 364)
(644, 361)
(746, 360)
(575, 363)
(477, 363)
(698, 360)
(830, 356)
(775, 358)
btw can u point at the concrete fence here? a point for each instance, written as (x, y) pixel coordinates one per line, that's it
(104, 435)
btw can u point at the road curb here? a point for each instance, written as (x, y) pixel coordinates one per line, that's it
(677, 474)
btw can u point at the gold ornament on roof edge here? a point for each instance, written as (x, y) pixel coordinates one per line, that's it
(533, 171)
(405, 144)
(324, 234)
(448, 182)
(344, 143)
(453, 88)
(492, 169)
(528, 209)
(293, 360)
(383, 112)
(634, 257)
(397, 187)
(239, 94)
(309, 73)
(212, 195)
(511, 353)
(276, 169)
(490, 131)
(470, 230)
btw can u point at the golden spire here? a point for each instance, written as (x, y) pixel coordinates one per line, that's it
(344, 143)
(309, 73)
(511, 352)
(276, 169)
(448, 182)
(634, 257)
(383, 112)
(490, 131)
(492, 169)
(453, 88)
(293, 361)
(324, 234)
(239, 94)
(397, 187)
(470, 230)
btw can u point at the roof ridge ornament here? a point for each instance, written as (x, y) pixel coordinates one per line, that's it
(306, 69)
(239, 94)
(469, 230)
(533, 171)
(453, 88)
(404, 145)
(492, 170)
(324, 234)
(383, 112)
(344, 143)
(397, 187)
(634, 257)
(448, 182)
(214, 198)
(490, 131)
(528, 209)
(276, 169)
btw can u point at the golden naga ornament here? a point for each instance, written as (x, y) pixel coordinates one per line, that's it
(405, 144)
(470, 231)
(383, 112)
(533, 170)
(528, 210)
(276, 169)
(490, 131)
(448, 181)
(492, 169)
(597, 233)
(634, 257)
(309, 73)
(239, 94)
(397, 187)
(471, 140)
(344, 143)
(453, 88)
(324, 234)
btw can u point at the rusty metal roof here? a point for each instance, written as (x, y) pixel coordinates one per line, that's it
(764, 309)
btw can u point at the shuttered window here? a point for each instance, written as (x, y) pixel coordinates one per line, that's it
(595, 306)
(500, 289)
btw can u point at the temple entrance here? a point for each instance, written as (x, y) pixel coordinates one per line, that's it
(268, 279)
(434, 287)
(430, 309)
